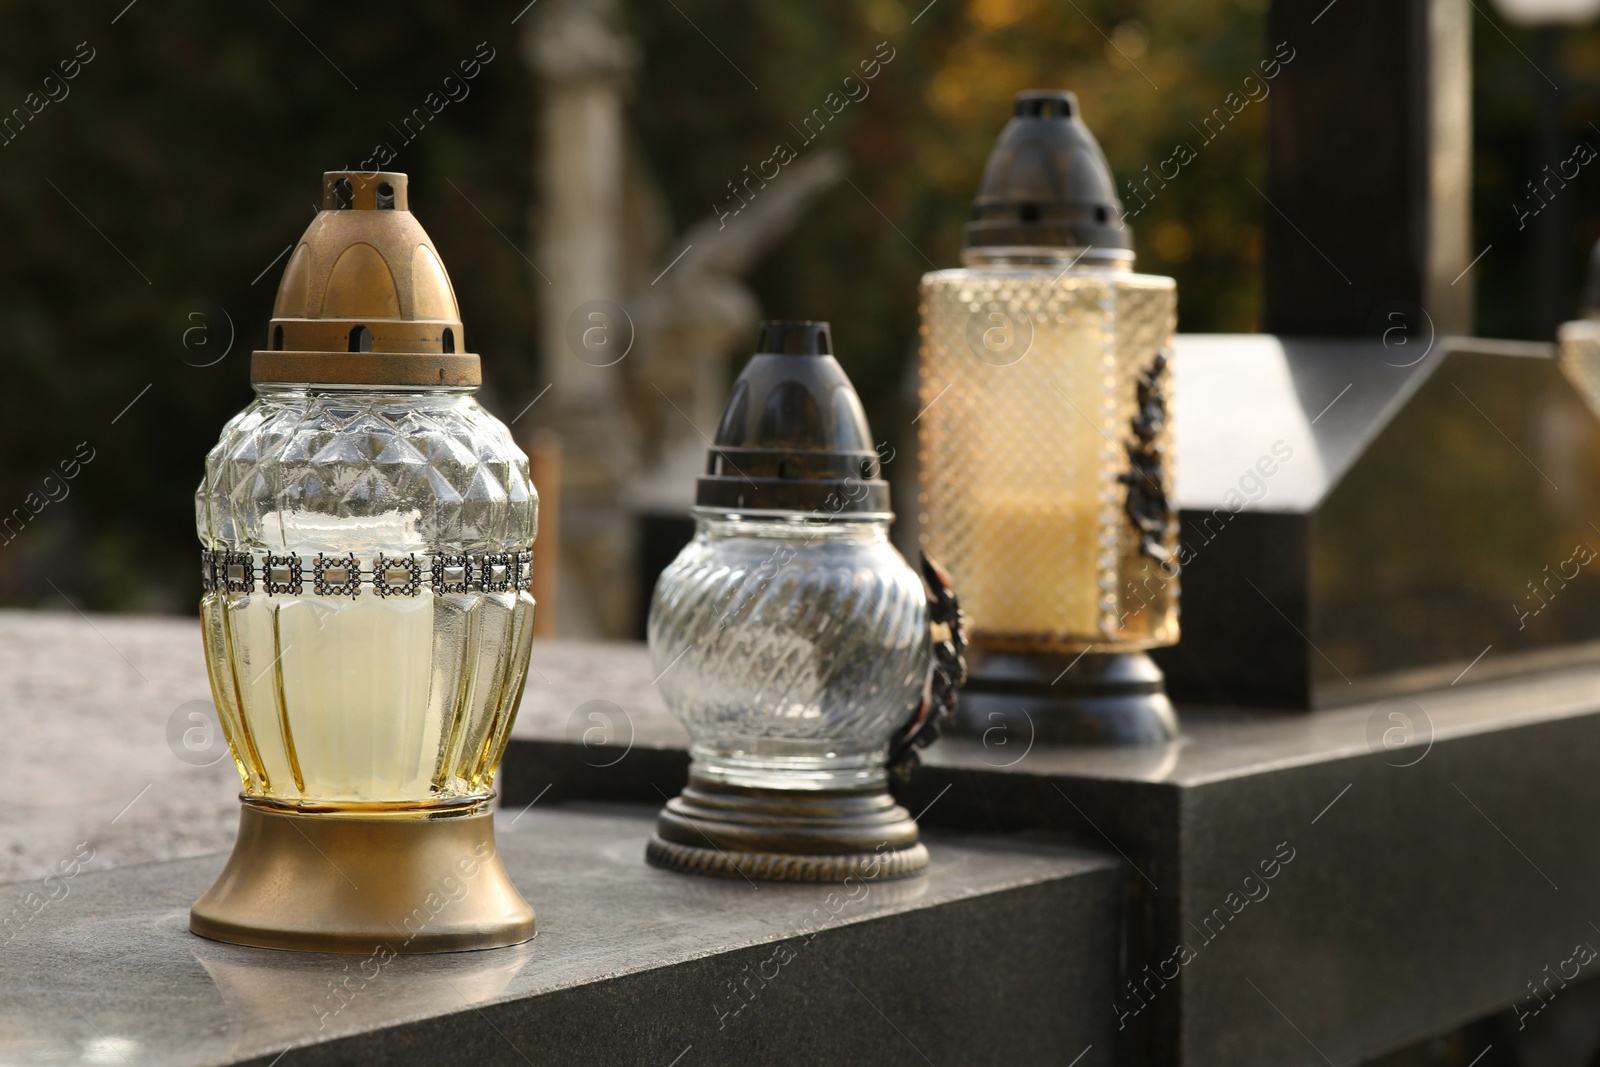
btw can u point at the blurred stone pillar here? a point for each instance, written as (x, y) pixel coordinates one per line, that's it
(584, 64)
(697, 317)
(1368, 216)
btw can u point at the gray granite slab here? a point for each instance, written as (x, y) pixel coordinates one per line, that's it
(94, 713)
(599, 693)
(84, 759)
(1422, 895)
(579, 679)
(1430, 836)
(1004, 953)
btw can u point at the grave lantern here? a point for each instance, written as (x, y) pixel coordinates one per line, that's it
(791, 638)
(1046, 444)
(367, 533)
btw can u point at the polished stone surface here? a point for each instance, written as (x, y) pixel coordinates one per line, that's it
(1334, 550)
(84, 709)
(1429, 835)
(1216, 742)
(99, 750)
(631, 965)
(1429, 838)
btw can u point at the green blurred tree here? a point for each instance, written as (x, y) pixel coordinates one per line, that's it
(918, 142)
(186, 157)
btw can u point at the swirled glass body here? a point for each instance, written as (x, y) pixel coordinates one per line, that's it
(791, 649)
(368, 634)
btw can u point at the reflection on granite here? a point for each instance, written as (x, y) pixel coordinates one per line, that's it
(111, 974)
(1215, 742)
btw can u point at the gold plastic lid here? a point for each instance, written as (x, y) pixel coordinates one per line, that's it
(365, 299)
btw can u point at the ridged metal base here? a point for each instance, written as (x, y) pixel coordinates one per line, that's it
(786, 835)
(779, 867)
(322, 883)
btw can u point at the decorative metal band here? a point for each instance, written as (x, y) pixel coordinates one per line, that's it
(347, 575)
(787, 866)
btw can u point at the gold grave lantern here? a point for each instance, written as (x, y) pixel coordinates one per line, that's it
(367, 532)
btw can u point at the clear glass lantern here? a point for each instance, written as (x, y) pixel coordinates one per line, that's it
(1046, 442)
(367, 533)
(791, 637)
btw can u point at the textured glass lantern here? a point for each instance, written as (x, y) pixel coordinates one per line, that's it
(791, 637)
(367, 533)
(1046, 450)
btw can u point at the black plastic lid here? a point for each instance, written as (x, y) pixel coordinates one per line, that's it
(1047, 184)
(793, 436)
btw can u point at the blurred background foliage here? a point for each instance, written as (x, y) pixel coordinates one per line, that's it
(188, 153)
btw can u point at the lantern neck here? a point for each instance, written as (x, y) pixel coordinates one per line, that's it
(295, 390)
(718, 524)
(1085, 259)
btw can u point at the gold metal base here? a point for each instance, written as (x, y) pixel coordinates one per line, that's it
(786, 835)
(322, 883)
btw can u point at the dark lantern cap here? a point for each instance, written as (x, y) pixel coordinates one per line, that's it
(1047, 184)
(793, 436)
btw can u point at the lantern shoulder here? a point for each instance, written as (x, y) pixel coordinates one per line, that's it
(310, 470)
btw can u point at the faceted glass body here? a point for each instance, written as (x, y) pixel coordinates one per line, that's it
(791, 649)
(366, 613)
(1044, 443)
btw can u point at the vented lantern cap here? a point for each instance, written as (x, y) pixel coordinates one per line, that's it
(365, 299)
(1047, 184)
(793, 436)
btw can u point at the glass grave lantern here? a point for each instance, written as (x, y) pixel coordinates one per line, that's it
(1046, 444)
(367, 533)
(790, 637)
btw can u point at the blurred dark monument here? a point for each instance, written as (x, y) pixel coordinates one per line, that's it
(1435, 514)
